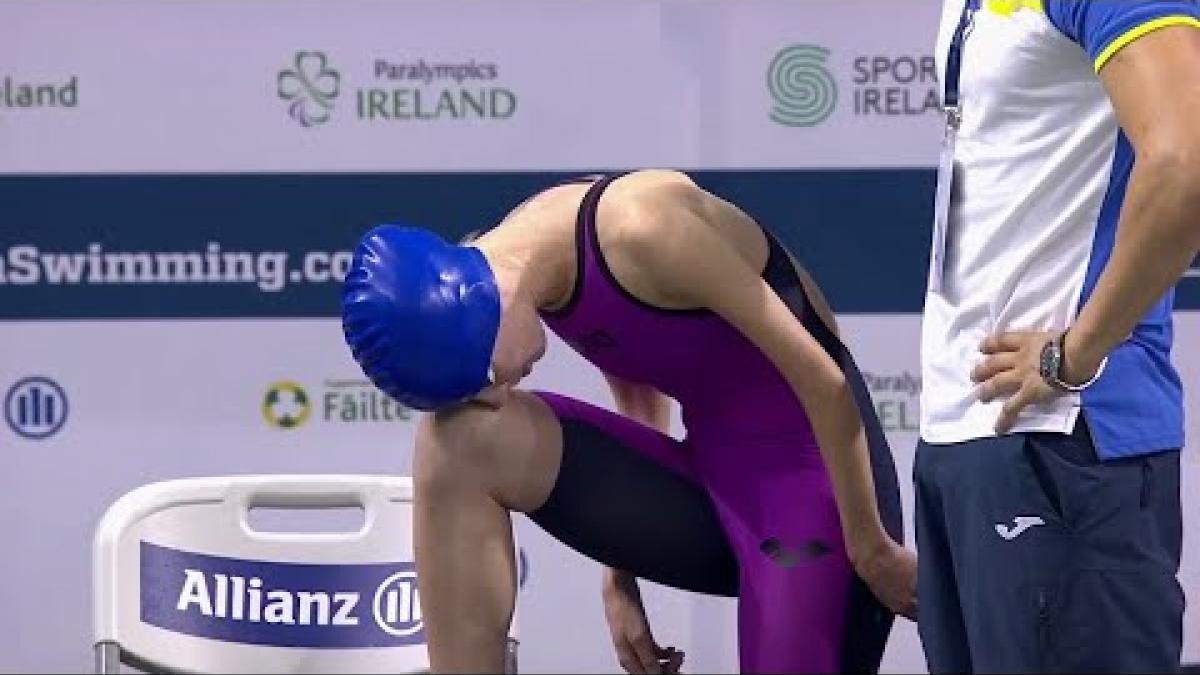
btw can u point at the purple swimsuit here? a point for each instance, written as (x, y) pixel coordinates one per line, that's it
(749, 447)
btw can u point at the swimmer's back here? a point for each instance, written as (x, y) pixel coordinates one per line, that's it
(613, 316)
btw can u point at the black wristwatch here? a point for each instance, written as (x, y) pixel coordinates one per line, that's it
(1050, 366)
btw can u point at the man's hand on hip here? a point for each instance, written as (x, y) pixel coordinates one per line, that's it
(1012, 368)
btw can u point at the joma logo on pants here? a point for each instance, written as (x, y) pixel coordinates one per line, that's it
(1020, 524)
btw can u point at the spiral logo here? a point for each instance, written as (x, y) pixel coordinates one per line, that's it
(804, 91)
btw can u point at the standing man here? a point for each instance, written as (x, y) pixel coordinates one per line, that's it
(1047, 477)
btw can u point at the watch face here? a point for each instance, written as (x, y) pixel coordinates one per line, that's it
(1050, 359)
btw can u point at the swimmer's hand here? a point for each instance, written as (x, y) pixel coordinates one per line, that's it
(494, 395)
(636, 649)
(890, 570)
(501, 385)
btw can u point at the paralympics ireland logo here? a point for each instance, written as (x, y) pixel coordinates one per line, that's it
(310, 87)
(802, 88)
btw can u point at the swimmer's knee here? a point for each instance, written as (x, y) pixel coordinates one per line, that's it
(467, 443)
(452, 445)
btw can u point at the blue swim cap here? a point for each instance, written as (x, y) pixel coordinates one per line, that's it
(420, 316)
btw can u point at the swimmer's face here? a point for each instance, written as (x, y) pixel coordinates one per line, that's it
(520, 342)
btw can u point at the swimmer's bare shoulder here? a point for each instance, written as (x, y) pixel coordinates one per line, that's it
(548, 214)
(641, 216)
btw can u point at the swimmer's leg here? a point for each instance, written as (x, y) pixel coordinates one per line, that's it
(802, 609)
(609, 487)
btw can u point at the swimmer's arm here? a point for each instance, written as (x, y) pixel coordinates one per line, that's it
(697, 268)
(728, 211)
(817, 299)
(636, 649)
(641, 402)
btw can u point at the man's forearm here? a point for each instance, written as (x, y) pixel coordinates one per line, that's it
(1157, 238)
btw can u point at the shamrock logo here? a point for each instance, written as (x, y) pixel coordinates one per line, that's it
(310, 86)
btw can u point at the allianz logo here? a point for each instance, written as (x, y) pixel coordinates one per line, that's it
(395, 606)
